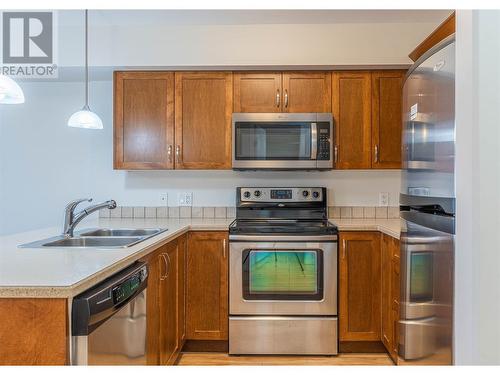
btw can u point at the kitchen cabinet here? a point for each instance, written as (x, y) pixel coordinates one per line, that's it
(359, 286)
(207, 286)
(387, 87)
(34, 331)
(257, 92)
(366, 107)
(395, 296)
(351, 108)
(181, 291)
(282, 92)
(165, 299)
(143, 120)
(203, 109)
(168, 303)
(307, 92)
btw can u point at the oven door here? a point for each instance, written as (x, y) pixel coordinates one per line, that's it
(283, 278)
(281, 141)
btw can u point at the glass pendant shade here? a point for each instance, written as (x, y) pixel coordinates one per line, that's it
(10, 92)
(86, 119)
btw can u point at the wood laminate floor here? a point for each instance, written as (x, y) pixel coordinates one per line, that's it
(223, 359)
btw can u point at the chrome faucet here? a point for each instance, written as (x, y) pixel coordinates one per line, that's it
(71, 219)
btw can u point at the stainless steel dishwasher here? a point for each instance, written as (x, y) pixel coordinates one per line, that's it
(108, 321)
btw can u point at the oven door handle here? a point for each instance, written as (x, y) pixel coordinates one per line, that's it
(314, 141)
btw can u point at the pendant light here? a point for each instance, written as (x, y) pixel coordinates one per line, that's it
(85, 118)
(10, 92)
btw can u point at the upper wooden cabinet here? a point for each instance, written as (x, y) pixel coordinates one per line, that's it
(207, 286)
(307, 92)
(351, 107)
(143, 120)
(367, 115)
(359, 286)
(203, 109)
(257, 92)
(282, 92)
(387, 115)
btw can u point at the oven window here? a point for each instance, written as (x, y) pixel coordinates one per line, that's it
(271, 141)
(282, 274)
(421, 277)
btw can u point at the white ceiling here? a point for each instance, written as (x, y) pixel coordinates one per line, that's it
(242, 17)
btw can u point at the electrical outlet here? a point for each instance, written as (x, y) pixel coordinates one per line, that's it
(383, 199)
(163, 199)
(185, 199)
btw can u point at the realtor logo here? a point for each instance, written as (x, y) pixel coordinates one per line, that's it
(28, 44)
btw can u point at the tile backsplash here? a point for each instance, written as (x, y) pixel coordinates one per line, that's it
(184, 212)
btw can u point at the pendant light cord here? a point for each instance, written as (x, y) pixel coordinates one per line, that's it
(86, 58)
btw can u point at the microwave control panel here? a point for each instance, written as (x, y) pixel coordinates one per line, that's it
(323, 141)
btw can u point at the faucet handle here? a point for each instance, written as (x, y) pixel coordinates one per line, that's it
(72, 205)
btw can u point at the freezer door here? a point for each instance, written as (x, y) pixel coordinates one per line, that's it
(428, 137)
(426, 294)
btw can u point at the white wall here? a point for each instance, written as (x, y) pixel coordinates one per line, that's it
(477, 265)
(43, 163)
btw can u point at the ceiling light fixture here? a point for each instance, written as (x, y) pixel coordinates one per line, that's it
(10, 92)
(85, 118)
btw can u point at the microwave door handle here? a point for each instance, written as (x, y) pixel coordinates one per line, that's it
(314, 141)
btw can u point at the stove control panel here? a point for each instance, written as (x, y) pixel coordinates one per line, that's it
(281, 194)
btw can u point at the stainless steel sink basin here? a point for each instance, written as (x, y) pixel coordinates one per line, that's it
(107, 242)
(120, 232)
(98, 238)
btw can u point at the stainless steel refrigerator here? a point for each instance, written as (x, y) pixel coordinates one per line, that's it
(428, 208)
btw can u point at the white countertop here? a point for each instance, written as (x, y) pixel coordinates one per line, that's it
(66, 272)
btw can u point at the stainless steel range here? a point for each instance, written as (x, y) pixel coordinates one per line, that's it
(283, 273)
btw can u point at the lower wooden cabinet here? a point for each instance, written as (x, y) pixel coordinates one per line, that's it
(390, 294)
(207, 286)
(165, 296)
(359, 286)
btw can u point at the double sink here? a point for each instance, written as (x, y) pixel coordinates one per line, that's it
(99, 238)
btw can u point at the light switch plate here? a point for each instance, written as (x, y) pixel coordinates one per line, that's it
(383, 199)
(185, 199)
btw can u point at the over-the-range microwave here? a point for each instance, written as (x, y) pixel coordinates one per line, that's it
(280, 141)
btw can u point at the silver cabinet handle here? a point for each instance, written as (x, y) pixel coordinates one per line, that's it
(224, 248)
(177, 153)
(336, 153)
(278, 98)
(168, 261)
(169, 153)
(164, 276)
(286, 98)
(343, 249)
(376, 153)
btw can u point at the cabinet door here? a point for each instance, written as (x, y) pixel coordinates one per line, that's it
(207, 286)
(156, 269)
(203, 108)
(143, 120)
(307, 92)
(351, 107)
(181, 292)
(386, 276)
(359, 286)
(387, 93)
(168, 304)
(257, 92)
(395, 289)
